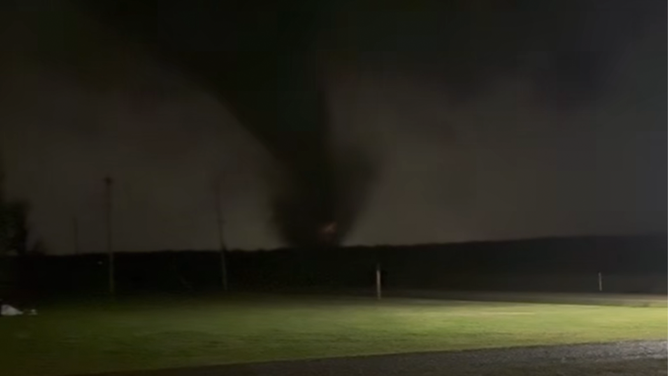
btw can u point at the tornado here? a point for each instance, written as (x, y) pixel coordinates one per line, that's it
(261, 62)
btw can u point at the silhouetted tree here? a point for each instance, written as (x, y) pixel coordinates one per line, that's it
(17, 227)
(14, 228)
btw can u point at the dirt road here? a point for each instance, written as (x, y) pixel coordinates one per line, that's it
(621, 358)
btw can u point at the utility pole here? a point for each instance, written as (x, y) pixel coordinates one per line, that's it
(221, 238)
(75, 234)
(3, 235)
(2, 168)
(108, 185)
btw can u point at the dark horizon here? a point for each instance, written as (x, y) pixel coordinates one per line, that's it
(627, 265)
(657, 238)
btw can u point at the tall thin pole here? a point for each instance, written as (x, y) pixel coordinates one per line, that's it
(2, 168)
(108, 185)
(221, 239)
(600, 282)
(3, 240)
(75, 234)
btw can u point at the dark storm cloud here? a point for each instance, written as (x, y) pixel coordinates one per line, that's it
(263, 62)
(89, 105)
(566, 47)
(419, 122)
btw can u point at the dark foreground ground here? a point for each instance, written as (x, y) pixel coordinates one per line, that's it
(620, 358)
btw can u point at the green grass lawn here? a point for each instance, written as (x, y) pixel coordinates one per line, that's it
(161, 333)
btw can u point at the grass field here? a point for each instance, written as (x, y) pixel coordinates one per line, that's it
(160, 333)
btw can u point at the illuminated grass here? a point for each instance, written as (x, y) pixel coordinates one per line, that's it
(83, 338)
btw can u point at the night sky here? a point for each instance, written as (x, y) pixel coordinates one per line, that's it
(440, 122)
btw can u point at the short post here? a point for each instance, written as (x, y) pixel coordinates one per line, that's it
(600, 282)
(221, 239)
(108, 183)
(378, 282)
(75, 233)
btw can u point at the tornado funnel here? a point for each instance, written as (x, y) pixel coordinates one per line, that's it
(260, 61)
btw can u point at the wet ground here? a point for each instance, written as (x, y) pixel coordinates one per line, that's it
(621, 358)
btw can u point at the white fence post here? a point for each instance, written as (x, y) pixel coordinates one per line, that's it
(378, 282)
